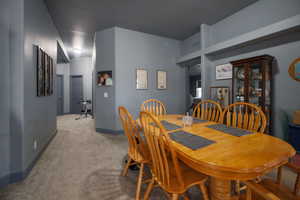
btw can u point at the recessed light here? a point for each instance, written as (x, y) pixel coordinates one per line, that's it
(77, 51)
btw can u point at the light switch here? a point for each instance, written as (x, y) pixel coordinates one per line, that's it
(105, 95)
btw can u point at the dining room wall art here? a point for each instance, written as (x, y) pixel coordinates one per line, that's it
(141, 79)
(224, 71)
(161, 78)
(294, 69)
(105, 78)
(45, 70)
(220, 94)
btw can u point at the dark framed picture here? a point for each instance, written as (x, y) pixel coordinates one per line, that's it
(40, 73)
(161, 78)
(105, 78)
(45, 71)
(220, 94)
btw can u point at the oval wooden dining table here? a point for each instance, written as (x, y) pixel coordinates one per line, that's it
(230, 157)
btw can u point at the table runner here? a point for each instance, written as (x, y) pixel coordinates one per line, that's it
(229, 130)
(168, 126)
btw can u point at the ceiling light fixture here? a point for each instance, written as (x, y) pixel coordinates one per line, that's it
(77, 51)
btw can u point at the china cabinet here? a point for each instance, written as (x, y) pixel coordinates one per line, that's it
(252, 83)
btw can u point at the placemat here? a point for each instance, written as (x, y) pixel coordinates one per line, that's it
(230, 130)
(168, 126)
(191, 141)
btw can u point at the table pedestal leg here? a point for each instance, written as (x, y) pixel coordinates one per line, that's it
(220, 189)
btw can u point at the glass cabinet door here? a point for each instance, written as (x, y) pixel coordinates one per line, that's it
(239, 91)
(256, 84)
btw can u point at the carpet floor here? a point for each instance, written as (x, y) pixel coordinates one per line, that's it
(81, 164)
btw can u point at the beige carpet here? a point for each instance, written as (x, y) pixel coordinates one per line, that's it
(81, 164)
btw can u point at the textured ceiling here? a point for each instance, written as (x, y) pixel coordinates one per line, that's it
(78, 20)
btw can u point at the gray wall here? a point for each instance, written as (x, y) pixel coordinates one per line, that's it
(39, 112)
(83, 66)
(4, 91)
(25, 118)
(257, 15)
(11, 35)
(104, 60)
(64, 69)
(285, 49)
(134, 50)
(191, 44)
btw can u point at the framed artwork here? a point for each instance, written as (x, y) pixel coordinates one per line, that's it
(161, 77)
(294, 69)
(220, 94)
(141, 79)
(45, 70)
(47, 75)
(104, 78)
(224, 71)
(40, 73)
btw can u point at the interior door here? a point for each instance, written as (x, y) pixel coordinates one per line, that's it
(60, 94)
(76, 94)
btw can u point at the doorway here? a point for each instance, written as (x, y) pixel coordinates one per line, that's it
(76, 93)
(60, 94)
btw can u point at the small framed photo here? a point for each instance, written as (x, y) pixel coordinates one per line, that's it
(220, 94)
(141, 79)
(104, 78)
(224, 71)
(161, 77)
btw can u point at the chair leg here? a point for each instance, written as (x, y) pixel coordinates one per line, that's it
(125, 170)
(279, 175)
(139, 182)
(238, 187)
(203, 189)
(297, 185)
(174, 197)
(185, 196)
(149, 189)
(248, 194)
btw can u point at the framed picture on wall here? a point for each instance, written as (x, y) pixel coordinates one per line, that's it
(294, 69)
(141, 79)
(44, 73)
(220, 94)
(224, 71)
(161, 77)
(40, 73)
(104, 78)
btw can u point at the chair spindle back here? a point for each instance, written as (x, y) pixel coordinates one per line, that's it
(154, 106)
(136, 144)
(208, 110)
(245, 116)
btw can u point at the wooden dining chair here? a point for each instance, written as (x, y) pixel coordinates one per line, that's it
(208, 110)
(137, 149)
(168, 172)
(245, 116)
(154, 106)
(273, 189)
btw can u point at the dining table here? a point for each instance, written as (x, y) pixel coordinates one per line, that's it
(227, 157)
